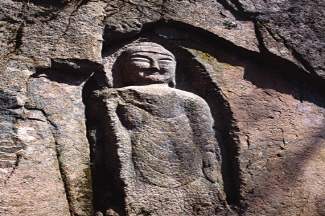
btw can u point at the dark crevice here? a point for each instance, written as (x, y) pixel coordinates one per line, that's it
(242, 11)
(259, 37)
(287, 68)
(297, 55)
(228, 142)
(77, 6)
(237, 10)
(108, 187)
(17, 40)
(231, 8)
(282, 40)
(19, 37)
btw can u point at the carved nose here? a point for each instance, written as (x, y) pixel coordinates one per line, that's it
(155, 65)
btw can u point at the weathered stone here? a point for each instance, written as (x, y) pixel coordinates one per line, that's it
(158, 141)
(258, 65)
(279, 136)
(31, 184)
(62, 104)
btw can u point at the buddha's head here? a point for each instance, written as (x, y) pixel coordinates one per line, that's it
(147, 63)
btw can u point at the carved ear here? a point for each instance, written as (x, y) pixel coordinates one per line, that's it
(172, 83)
(120, 78)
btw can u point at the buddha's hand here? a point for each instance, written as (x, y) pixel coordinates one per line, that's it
(211, 169)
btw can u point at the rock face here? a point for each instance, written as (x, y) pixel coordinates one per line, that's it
(239, 130)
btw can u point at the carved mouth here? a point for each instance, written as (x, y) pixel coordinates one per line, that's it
(155, 72)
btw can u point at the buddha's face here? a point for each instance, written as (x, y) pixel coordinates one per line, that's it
(154, 65)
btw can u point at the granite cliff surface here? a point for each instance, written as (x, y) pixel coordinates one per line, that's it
(259, 65)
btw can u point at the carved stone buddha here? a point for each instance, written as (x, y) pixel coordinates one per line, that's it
(164, 138)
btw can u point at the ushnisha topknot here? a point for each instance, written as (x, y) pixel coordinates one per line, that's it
(148, 47)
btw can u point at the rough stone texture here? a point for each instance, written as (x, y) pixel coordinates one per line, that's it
(154, 144)
(32, 174)
(279, 136)
(258, 64)
(63, 107)
(164, 167)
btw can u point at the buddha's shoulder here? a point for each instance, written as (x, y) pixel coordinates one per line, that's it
(152, 90)
(189, 96)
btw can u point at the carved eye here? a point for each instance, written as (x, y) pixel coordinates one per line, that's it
(140, 59)
(166, 61)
